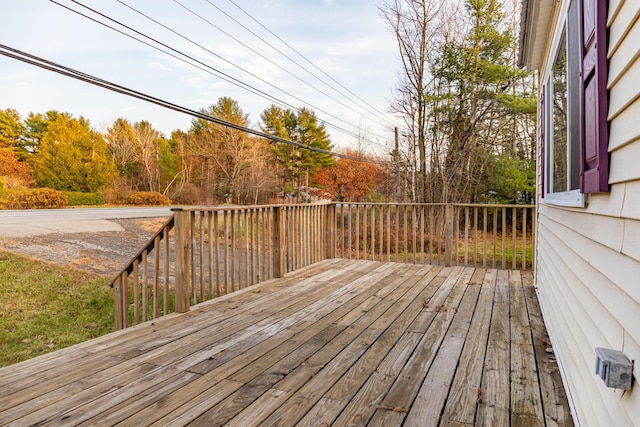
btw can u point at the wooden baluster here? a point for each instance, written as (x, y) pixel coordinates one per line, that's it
(182, 260)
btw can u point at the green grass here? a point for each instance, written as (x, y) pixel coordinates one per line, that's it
(44, 307)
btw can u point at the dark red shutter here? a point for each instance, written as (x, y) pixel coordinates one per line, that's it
(594, 137)
(542, 159)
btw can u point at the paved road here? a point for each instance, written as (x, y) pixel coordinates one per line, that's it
(24, 223)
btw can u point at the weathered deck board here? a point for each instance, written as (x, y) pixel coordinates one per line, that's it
(495, 389)
(465, 393)
(526, 402)
(341, 342)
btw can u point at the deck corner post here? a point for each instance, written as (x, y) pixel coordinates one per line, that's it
(330, 227)
(448, 248)
(182, 260)
(278, 242)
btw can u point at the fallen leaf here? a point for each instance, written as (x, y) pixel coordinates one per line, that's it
(546, 341)
(26, 341)
(549, 350)
(399, 409)
(425, 303)
(479, 391)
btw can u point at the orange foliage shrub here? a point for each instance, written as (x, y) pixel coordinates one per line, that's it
(147, 198)
(39, 198)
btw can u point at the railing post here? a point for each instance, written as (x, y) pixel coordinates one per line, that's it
(117, 303)
(330, 227)
(182, 260)
(278, 242)
(448, 246)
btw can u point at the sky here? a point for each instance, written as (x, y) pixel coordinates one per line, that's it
(346, 39)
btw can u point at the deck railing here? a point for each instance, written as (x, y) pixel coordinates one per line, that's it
(497, 236)
(202, 253)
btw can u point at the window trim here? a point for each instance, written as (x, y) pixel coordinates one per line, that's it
(571, 198)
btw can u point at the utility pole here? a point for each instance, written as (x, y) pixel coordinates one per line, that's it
(397, 166)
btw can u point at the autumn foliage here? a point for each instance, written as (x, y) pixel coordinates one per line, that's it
(11, 167)
(38, 198)
(350, 180)
(135, 164)
(147, 198)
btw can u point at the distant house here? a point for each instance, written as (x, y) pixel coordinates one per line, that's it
(587, 53)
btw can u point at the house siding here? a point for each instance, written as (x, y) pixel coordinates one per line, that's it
(588, 259)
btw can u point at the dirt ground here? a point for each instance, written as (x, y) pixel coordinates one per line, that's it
(104, 253)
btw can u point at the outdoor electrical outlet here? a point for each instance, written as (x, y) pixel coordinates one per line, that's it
(614, 368)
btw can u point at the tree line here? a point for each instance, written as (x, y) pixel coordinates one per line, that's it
(207, 164)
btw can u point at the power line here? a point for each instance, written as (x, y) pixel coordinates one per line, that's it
(259, 54)
(304, 57)
(88, 78)
(213, 71)
(374, 112)
(213, 53)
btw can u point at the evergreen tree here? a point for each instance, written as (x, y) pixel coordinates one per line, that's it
(476, 75)
(36, 127)
(72, 156)
(11, 129)
(302, 127)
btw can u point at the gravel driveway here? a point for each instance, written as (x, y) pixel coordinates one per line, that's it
(104, 253)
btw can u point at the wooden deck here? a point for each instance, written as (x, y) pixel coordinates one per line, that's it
(337, 343)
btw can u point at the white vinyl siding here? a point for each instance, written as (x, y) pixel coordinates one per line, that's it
(588, 260)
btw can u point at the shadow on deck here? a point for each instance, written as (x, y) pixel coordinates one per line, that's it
(339, 342)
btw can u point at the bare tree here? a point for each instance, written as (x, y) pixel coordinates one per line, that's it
(463, 100)
(419, 26)
(146, 143)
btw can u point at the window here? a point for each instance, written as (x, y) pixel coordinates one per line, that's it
(574, 128)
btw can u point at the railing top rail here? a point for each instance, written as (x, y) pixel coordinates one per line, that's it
(295, 205)
(244, 208)
(477, 205)
(491, 205)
